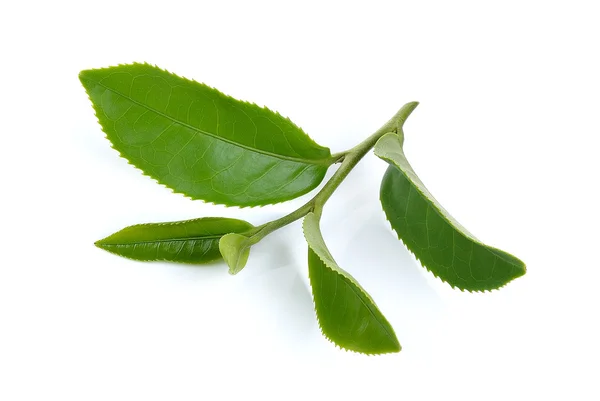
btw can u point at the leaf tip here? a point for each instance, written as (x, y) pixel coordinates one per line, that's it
(83, 73)
(396, 347)
(519, 270)
(85, 77)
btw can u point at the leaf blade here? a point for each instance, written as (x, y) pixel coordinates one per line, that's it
(349, 318)
(438, 241)
(200, 142)
(193, 241)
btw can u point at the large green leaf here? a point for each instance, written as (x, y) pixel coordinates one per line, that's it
(189, 241)
(346, 313)
(200, 142)
(442, 245)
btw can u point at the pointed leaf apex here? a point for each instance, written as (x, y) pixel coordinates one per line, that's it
(194, 241)
(200, 142)
(85, 76)
(346, 313)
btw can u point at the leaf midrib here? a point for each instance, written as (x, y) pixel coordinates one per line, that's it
(442, 213)
(338, 270)
(160, 240)
(354, 286)
(358, 292)
(318, 162)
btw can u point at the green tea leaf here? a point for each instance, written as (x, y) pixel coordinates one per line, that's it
(200, 142)
(190, 241)
(235, 249)
(442, 245)
(347, 315)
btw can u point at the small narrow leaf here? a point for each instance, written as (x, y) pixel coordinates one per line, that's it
(235, 249)
(200, 142)
(191, 241)
(346, 313)
(442, 245)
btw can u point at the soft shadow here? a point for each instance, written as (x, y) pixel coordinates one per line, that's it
(375, 247)
(295, 313)
(193, 273)
(286, 303)
(272, 252)
(390, 273)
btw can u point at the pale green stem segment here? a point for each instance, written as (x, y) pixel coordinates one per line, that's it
(349, 159)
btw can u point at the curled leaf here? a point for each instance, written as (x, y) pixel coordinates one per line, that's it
(442, 245)
(347, 315)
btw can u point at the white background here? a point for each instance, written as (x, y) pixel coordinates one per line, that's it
(505, 137)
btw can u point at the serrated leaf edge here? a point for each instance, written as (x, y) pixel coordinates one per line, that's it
(452, 221)
(99, 243)
(359, 287)
(161, 260)
(431, 271)
(331, 160)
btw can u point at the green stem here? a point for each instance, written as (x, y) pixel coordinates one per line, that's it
(349, 160)
(339, 157)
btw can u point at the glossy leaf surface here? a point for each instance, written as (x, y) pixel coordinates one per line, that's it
(189, 241)
(200, 142)
(442, 245)
(347, 315)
